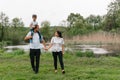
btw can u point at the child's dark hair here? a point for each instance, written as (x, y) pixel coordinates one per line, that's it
(59, 34)
(34, 15)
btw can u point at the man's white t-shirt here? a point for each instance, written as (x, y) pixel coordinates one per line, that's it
(35, 41)
(57, 43)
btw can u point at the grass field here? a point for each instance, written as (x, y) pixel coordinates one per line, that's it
(17, 67)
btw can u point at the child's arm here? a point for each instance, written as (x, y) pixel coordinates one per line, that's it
(31, 25)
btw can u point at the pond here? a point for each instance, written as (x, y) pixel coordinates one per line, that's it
(11, 48)
(97, 49)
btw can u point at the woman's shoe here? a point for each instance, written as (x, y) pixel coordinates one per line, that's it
(55, 71)
(63, 71)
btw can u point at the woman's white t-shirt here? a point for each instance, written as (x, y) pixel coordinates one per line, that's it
(57, 43)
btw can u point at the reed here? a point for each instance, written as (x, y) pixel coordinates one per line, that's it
(96, 38)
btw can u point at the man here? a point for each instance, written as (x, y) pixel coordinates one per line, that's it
(35, 47)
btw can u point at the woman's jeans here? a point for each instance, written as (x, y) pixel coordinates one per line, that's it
(60, 56)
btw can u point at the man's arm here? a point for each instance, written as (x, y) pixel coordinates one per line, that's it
(27, 38)
(44, 44)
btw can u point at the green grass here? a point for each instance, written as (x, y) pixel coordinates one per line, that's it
(17, 67)
(84, 54)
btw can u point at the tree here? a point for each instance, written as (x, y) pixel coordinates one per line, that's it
(45, 30)
(17, 22)
(4, 22)
(95, 21)
(63, 23)
(113, 16)
(45, 24)
(76, 24)
(75, 18)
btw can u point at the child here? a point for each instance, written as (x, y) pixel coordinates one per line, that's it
(33, 24)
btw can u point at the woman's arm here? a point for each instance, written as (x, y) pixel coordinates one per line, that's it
(62, 49)
(51, 44)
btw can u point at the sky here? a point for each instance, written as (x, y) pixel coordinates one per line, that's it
(53, 11)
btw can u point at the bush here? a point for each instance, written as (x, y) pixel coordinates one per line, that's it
(9, 42)
(89, 54)
(2, 44)
(79, 53)
(1, 51)
(18, 52)
(84, 54)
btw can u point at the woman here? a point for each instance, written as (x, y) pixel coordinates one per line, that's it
(57, 44)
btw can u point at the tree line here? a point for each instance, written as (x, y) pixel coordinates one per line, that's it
(78, 25)
(13, 32)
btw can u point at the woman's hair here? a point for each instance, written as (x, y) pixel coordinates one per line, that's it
(59, 34)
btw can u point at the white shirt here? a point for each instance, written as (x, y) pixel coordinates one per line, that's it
(57, 43)
(33, 23)
(35, 41)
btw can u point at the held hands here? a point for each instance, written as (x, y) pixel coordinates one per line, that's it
(63, 52)
(45, 48)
